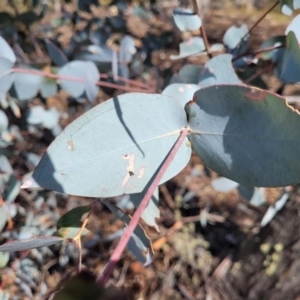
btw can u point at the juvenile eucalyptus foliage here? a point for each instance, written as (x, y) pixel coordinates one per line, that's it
(246, 134)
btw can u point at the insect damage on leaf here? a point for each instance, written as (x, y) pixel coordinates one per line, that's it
(70, 145)
(255, 94)
(129, 169)
(141, 172)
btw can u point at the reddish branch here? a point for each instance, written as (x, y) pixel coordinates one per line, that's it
(115, 257)
(145, 87)
(202, 30)
(253, 27)
(261, 18)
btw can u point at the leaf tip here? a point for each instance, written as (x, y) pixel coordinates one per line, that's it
(30, 183)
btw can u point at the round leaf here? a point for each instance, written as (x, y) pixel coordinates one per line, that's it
(48, 88)
(275, 40)
(186, 20)
(193, 46)
(295, 27)
(234, 36)
(290, 68)
(127, 49)
(92, 75)
(3, 121)
(56, 55)
(246, 134)
(27, 85)
(86, 71)
(5, 166)
(4, 258)
(6, 51)
(6, 78)
(190, 73)
(287, 6)
(218, 70)
(222, 184)
(36, 115)
(100, 55)
(274, 209)
(112, 149)
(51, 118)
(182, 92)
(3, 217)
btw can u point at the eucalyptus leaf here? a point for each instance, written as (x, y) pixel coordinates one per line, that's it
(274, 209)
(12, 189)
(3, 121)
(87, 72)
(101, 56)
(6, 78)
(51, 118)
(288, 6)
(4, 258)
(139, 244)
(36, 242)
(271, 42)
(235, 36)
(295, 27)
(151, 212)
(48, 88)
(27, 85)
(114, 65)
(290, 68)
(6, 51)
(3, 217)
(5, 166)
(222, 184)
(190, 73)
(218, 70)
(240, 131)
(73, 217)
(182, 92)
(127, 49)
(56, 55)
(35, 115)
(186, 20)
(193, 46)
(110, 149)
(71, 232)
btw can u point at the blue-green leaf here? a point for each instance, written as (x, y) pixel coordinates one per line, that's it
(248, 135)
(182, 92)
(112, 148)
(290, 68)
(295, 27)
(186, 20)
(151, 212)
(36, 242)
(193, 46)
(218, 70)
(87, 71)
(139, 244)
(287, 6)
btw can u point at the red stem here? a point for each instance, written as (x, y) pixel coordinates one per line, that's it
(257, 22)
(259, 51)
(77, 79)
(115, 257)
(260, 19)
(130, 81)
